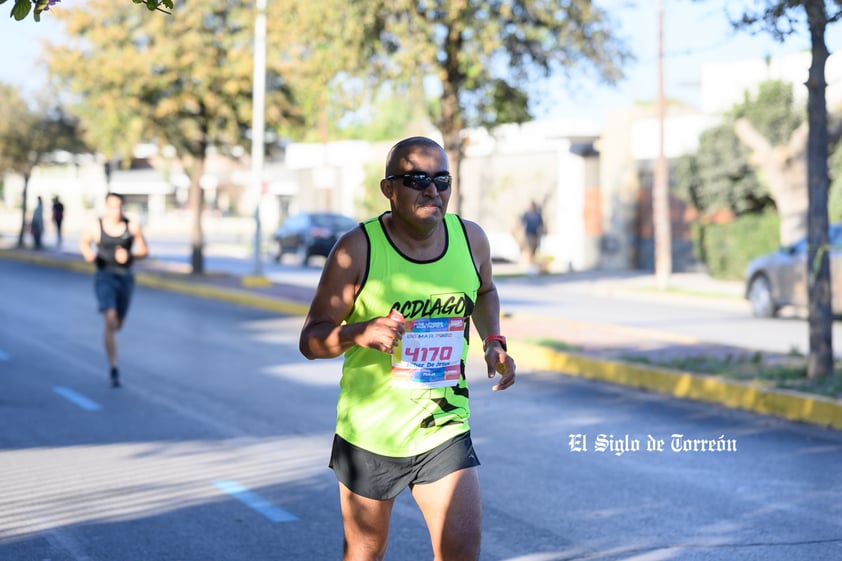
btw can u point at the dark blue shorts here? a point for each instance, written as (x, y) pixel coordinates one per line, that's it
(113, 291)
(383, 477)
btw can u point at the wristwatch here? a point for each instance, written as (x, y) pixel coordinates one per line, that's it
(499, 338)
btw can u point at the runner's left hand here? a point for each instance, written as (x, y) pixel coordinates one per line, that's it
(499, 361)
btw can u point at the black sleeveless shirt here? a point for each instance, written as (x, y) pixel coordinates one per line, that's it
(107, 248)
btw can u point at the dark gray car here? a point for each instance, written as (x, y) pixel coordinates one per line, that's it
(779, 279)
(311, 233)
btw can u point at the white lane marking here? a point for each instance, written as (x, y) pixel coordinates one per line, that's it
(254, 501)
(77, 398)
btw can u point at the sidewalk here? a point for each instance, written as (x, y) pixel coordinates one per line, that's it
(599, 352)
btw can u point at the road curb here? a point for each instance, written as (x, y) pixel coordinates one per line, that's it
(153, 280)
(231, 295)
(46, 260)
(756, 398)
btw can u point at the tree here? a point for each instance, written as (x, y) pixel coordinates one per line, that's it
(183, 80)
(331, 42)
(781, 19)
(721, 176)
(484, 53)
(389, 118)
(27, 138)
(776, 133)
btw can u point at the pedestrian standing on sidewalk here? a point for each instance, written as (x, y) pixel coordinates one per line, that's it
(396, 296)
(58, 218)
(37, 223)
(533, 228)
(119, 243)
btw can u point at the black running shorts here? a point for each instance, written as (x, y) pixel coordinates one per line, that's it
(383, 477)
(113, 291)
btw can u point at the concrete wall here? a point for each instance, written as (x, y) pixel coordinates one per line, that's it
(505, 170)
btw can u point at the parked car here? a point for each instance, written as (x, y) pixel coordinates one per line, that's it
(779, 279)
(311, 233)
(504, 247)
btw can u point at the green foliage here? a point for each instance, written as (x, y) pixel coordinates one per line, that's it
(14, 120)
(155, 5)
(788, 372)
(504, 104)
(727, 249)
(782, 18)
(685, 181)
(183, 80)
(334, 53)
(772, 112)
(22, 8)
(556, 345)
(719, 176)
(28, 135)
(479, 57)
(372, 202)
(323, 47)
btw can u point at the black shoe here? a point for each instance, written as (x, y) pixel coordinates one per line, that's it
(115, 378)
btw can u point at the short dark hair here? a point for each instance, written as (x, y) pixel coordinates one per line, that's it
(118, 195)
(398, 150)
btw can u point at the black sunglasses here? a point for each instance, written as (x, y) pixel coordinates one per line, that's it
(419, 181)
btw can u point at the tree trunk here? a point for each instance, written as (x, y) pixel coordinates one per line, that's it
(452, 121)
(197, 258)
(820, 362)
(454, 159)
(451, 134)
(22, 234)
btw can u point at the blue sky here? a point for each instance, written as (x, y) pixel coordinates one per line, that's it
(695, 33)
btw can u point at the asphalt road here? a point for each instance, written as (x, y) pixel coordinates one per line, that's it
(216, 449)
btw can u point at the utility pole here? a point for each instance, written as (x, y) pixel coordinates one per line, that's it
(660, 186)
(258, 126)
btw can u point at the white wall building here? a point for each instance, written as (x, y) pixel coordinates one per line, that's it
(550, 162)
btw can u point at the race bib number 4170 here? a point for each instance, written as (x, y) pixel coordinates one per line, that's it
(429, 354)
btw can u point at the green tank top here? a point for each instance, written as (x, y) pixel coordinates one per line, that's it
(373, 412)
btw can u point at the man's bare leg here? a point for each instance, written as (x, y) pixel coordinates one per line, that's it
(112, 326)
(366, 523)
(452, 508)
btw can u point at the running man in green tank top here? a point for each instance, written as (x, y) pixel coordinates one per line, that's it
(397, 297)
